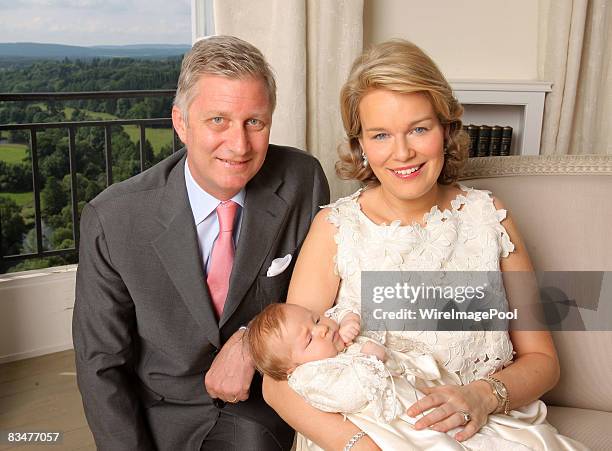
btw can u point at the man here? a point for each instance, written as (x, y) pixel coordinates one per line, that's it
(175, 260)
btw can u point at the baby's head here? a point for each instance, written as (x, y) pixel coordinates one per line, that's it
(284, 336)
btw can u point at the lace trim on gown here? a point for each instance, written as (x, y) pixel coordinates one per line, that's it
(468, 236)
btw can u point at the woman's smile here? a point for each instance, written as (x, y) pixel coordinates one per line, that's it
(408, 171)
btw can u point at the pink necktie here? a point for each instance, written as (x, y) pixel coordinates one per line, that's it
(222, 256)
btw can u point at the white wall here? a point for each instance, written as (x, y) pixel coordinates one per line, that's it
(36, 312)
(468, 39)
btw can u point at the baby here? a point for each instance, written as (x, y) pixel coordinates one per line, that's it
(326, 362)
(335, 369)
(284, 336)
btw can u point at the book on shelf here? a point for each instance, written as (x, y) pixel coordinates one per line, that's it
(484, 141)
(506, 141)
(488, 140)
(472, 131)
(495, 146)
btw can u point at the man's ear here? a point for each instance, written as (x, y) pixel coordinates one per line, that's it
(179, 124)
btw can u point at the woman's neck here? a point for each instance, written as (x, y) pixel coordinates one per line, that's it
(409, 211)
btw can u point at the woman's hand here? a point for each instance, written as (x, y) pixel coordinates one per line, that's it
(448, 402)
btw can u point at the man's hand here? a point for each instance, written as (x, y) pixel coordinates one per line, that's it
(350, 326)
(230, 374)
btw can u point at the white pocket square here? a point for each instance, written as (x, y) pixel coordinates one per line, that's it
(278, 265)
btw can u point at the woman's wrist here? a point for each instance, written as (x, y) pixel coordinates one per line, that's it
(353, 440)
(489, 399)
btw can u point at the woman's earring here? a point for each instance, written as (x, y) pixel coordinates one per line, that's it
(365, 159)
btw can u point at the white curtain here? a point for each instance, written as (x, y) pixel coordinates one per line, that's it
(575, 54)
(311, 45)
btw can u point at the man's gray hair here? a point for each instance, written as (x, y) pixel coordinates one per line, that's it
(226, 56)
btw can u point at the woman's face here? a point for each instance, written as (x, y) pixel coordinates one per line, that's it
(403, 141)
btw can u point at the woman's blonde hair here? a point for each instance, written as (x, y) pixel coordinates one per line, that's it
(399, 66)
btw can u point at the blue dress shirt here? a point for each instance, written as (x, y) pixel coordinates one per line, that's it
(203, 207)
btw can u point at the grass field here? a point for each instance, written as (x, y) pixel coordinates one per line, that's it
(12, 153)
(22, 199)
(158, 137)
(94, 114)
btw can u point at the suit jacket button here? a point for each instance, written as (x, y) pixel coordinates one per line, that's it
(214, 352)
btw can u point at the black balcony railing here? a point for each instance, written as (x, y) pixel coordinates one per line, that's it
(71, 127)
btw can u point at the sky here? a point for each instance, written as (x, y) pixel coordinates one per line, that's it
(96, 22)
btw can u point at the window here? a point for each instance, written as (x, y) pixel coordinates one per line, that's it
(58, 150)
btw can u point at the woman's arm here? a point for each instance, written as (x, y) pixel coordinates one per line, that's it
(536, 366)
(330, 431)
(535, 369)
(314, 285)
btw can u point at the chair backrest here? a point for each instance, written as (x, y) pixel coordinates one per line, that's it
(563, 209)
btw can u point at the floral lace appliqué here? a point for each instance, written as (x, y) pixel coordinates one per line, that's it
(467, 237)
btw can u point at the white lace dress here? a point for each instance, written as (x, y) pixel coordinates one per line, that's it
(468, 237)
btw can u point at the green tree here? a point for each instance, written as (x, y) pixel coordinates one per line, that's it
(61, 238)
(15, 177)
(12, 226)
(123, 106)
(29, 242)
(139, 110)
(39, 263)
(53, 197)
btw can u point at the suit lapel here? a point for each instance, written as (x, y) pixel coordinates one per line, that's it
(264, 214)
(177, 248)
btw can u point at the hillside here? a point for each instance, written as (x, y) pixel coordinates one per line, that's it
(99, 74)
(25, 53)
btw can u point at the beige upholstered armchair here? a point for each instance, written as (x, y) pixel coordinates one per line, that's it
(563, 209)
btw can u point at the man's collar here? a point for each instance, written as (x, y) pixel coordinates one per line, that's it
(202, 203)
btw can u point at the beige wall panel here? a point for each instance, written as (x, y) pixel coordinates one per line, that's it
(481, 39)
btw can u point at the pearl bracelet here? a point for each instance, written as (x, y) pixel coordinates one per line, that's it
(354, 439)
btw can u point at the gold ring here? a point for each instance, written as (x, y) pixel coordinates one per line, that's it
(467, 417)
(234, 400)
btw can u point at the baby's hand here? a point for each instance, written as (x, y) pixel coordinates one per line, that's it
(349, 328)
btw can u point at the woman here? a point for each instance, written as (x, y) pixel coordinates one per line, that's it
(407, 147)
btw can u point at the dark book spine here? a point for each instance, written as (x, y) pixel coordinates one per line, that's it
(484, 140)
(506, 141)
(496, 136)
(472, 131)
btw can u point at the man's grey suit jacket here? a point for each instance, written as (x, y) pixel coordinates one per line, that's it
(143, 326)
